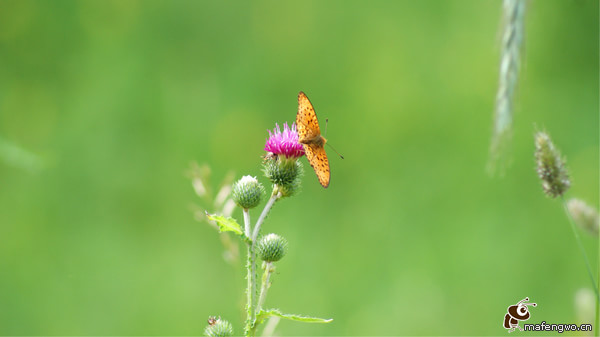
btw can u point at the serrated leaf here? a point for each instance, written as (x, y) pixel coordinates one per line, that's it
(226, 224)
(298, 318)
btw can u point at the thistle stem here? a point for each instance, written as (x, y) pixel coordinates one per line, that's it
(251, 319)
(263, 215)
(249, 292)
(247, 222)
(269, 268)
(249, 277)
(585, 258)
(251, 327)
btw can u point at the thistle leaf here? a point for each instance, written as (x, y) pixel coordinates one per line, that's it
(298, 318)
(228, 224)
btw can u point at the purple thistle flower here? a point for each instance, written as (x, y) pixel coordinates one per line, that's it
(284, 143)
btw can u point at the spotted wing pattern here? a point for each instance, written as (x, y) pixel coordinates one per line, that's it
(309, 135)
(318, 160)
(306, 120)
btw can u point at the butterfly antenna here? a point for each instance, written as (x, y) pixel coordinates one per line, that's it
(334, 150)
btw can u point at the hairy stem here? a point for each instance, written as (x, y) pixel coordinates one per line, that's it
(269, 268)
(263, 215)
(249, 278)
(585, 258)
(251, 319)
(246, 222)
(249, 292)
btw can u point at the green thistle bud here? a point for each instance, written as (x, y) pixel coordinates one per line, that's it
(281, 170)
(247, 192)
(584, 215)
(285, 174)
(550, 166)
(218, 327)
(272, 247)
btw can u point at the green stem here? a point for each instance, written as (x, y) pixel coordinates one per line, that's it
(246, 222)
(269, 268)
(250, 328)
(249, 277)
(253, 289)
(263, 215)
(249, 293)
(585, 258)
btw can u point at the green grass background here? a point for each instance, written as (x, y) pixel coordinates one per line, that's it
(103, 105)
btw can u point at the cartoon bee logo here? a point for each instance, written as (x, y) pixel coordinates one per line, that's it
(516, 313)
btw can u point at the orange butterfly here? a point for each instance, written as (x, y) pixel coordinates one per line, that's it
(309, 135)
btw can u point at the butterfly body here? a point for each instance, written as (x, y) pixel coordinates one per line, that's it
(309, 135)
(318, 141)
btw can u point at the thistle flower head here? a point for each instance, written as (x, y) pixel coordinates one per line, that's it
(272, 247)
(281, 164)
(550, 166)
(284, 143)
(247, 192)
(584, 215)
(218, 327)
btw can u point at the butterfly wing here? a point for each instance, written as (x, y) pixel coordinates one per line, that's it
(318, 160)
(306, 120)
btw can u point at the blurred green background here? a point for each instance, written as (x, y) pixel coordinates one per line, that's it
(104, 105)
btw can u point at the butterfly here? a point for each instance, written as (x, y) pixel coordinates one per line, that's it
(309, 135)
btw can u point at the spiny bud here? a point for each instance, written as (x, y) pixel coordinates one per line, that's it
(247, 192)
(584, 215)
(281, 170)
(289, 189)
(550, 166)
(272, 247)
(218, 327)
